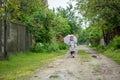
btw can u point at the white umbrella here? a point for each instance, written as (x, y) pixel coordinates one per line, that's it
(67, 39)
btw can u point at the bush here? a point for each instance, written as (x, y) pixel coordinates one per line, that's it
(48, 47)
(115, 43)
(100, 48)
(52, 47)
(62, 46)
(38, 47)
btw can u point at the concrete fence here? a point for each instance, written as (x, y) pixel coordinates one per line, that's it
(18, 39)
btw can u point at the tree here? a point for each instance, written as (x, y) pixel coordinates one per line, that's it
(19, 11)
(42, 23)
(72, 19)
(104, 14)
(60, 26)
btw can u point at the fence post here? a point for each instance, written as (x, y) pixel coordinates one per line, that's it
(4, 30)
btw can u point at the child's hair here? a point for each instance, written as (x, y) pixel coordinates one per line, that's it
(71, 38)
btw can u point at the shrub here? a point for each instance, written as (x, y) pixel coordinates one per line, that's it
(115, 43)
(62, 46)
(38, 47)
(100, 48)
(51, 47)
(48, 47)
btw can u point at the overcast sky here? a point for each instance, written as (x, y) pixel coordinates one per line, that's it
(57, 3)
(63, 3)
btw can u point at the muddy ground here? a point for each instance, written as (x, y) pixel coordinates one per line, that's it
(97, 67)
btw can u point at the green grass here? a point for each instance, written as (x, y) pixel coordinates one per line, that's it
(24, 64)
(83, 56)
(114, 55)
(110, 53)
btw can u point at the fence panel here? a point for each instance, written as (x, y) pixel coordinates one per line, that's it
(18, 39)
(0, 35)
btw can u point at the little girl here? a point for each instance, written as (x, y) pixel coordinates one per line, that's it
(72, 46)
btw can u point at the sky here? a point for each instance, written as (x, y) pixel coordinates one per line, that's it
(62, 3)
(57, 3)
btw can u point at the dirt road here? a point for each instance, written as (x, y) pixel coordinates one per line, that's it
(66, 68)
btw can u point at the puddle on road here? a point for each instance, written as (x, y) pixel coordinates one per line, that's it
(56, 76)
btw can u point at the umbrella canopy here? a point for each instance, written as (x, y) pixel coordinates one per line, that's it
(68, 37)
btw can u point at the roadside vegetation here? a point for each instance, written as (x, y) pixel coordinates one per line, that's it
(112, 50)
(23, 64)
(47, 27)
(102, 23)
(113, 54)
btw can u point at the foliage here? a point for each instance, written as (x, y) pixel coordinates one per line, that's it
(42, 23)
(115, 44)
(83, 37)
(114, 55)
(99, 10)
(48, 47)
(38, 47)
(90, 35)
(62, 46)
(100, 48)
(112, 50)
(69, 14)
(47, 26)
(103, 15)
(60, 26)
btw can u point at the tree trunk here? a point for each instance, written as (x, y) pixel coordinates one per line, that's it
(104, 35)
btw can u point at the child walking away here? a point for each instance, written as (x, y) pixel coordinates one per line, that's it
(72, 46)
(71, 40)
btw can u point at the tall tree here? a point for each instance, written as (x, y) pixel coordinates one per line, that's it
(101, 13)
(72, 19)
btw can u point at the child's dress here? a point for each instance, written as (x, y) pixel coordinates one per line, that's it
(72, 48)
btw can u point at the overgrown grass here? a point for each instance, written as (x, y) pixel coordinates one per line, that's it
(114, 55)
(110, 52)
(24, 64)
(83, 56)
(113, 49)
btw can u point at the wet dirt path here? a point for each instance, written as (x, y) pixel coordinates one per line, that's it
(66, 68)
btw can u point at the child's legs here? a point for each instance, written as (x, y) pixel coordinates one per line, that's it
(72, 52)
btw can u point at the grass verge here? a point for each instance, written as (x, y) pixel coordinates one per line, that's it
(23, 64)
(114, 55)
(110, 53)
